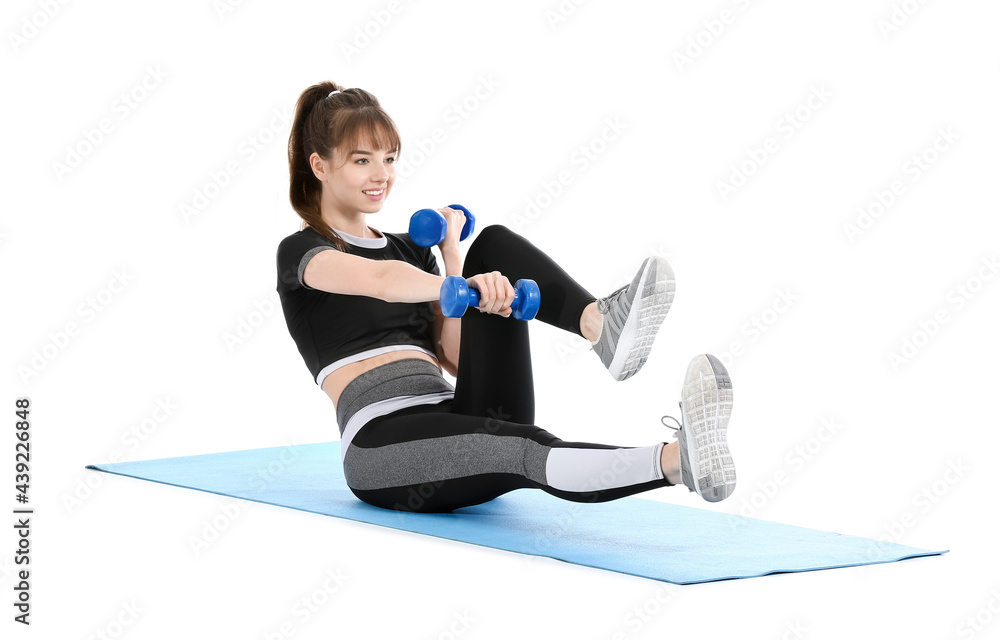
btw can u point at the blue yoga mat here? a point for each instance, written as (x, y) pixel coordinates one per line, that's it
(633, 535)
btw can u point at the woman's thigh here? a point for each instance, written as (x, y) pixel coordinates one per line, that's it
(494, 377)
(429, 459)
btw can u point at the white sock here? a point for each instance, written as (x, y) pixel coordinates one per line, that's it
(584, 470)
(599, 333)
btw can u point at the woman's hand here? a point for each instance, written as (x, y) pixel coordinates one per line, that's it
(495, 292)
(456, 221)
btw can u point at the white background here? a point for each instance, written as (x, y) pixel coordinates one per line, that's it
(105, 545)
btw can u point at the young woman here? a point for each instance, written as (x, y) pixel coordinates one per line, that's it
(362, 307)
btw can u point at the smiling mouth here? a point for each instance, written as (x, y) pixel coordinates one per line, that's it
(374, 193)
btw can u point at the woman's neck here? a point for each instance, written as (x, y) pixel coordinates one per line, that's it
(366, 231)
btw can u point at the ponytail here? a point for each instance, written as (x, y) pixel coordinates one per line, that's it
(323, 123)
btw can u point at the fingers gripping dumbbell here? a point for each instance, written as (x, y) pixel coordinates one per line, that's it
(428, 227)
(457, 296)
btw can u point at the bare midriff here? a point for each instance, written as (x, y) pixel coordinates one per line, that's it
(335, 383)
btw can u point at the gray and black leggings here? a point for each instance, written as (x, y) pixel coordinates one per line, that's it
(483, 443)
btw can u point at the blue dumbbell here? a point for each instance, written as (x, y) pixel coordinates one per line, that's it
(457, 296)
(428, 227)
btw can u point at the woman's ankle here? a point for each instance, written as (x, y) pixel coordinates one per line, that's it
(670, 463)
(591, 322)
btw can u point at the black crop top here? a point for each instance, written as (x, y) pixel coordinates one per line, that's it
(332, 329)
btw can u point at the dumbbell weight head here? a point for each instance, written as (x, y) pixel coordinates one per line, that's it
(428, 227)
(526, 290)
(454, 297)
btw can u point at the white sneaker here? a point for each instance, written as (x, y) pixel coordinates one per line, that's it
(707, 400)
(632, 315)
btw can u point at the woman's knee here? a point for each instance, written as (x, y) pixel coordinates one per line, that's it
(492, 232)
(490, 238)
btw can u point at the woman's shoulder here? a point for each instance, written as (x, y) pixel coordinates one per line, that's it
(400, 243)
(295, 246)
(307, 235)
(402, 239)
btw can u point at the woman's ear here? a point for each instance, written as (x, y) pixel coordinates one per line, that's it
(317, 165)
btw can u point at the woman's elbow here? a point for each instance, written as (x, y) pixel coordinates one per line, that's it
(446, 365)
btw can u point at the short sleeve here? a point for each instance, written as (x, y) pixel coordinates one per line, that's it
(430, 262)
(294, 253)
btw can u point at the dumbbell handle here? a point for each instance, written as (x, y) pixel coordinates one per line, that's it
(457, 296)
(474, 299)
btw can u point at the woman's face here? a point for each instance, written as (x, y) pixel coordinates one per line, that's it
(362, 178)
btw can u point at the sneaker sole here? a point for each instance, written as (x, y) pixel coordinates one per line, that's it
(707, 404)
(653, 298)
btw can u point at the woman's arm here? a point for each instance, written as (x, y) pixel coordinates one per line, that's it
(448, 331)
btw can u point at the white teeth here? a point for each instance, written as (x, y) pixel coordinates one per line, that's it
(373, 193)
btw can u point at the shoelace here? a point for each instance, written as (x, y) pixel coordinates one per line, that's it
(604, 307)
(679, 426)
(616, 314)
(606, 300)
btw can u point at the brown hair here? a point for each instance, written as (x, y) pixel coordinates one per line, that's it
(323, 123)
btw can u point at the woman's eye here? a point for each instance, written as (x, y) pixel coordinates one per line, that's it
(390, 159)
